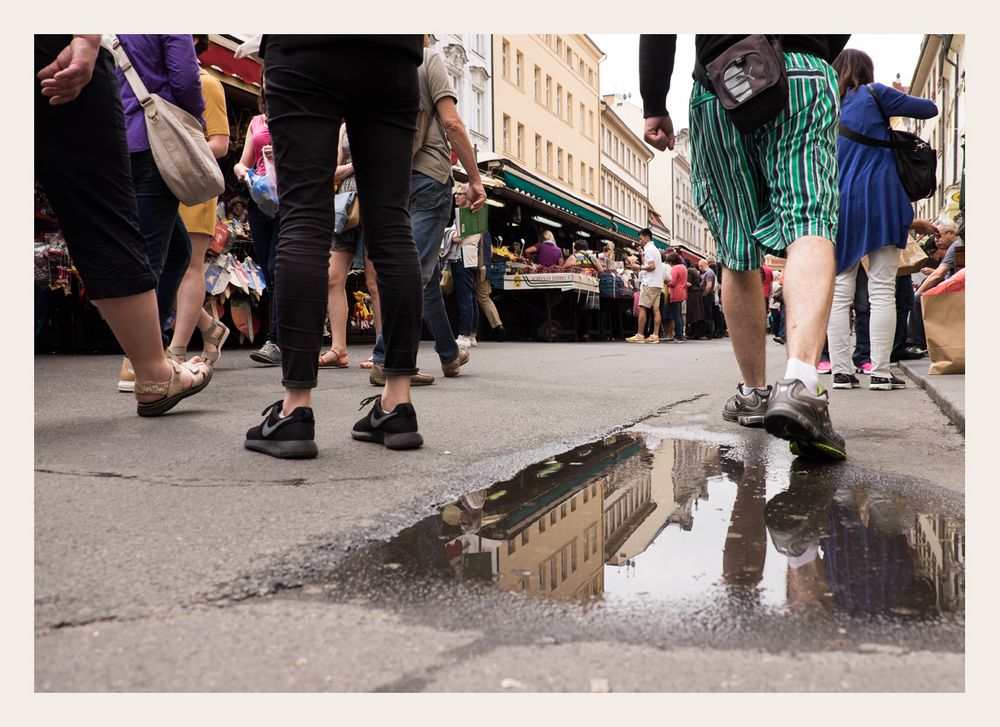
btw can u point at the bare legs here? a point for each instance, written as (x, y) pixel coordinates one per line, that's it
(191, 296)
(808, 290)
(744, 308)
(135, 321)
(340, 264)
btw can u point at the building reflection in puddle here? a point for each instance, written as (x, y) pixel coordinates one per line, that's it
(633, 518)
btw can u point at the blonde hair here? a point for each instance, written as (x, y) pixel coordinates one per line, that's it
(547, 235)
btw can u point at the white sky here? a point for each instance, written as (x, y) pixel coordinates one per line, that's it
(891, 54)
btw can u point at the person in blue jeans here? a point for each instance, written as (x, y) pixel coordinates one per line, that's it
(438, 125)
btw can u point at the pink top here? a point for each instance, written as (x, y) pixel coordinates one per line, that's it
(260, 136)
(678, 283)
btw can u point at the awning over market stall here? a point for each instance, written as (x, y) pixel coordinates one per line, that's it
(522, 186)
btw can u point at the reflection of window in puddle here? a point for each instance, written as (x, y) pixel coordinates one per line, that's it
(552, 530)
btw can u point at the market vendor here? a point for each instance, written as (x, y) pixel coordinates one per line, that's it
(548, 253)
(582, 258)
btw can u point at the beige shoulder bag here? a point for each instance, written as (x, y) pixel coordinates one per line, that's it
(177, 141)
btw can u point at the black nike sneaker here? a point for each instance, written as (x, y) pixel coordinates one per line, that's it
(396, 429)
(804, 420)
(290, 437)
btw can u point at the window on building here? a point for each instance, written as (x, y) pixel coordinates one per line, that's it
(548, 92)
(572, 555)
(538, 83)
(590, 76)
(520, 141)
(552, 518)
(559, 97)
(553, 582)
(583, 112)
(586, 543)
(538, 151)
(569, 56)
(563, 564)
(506, 133)
(511, 546)
(569, 178)
(541, 576)
(569, 109)
(572, 505)
(479, 44)
(590, 124)
(580, 68)
(559, 46)
(524, 537)
(590, 182)
(562, 510)
(519, 69)
(456, 83)
(586, 494)
(559, 161)
(583, 174)
(505, 58)
(541, 525)
(479, 112)
(548, 165)
(548, 40)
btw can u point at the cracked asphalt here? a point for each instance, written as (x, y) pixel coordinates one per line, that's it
(167, 557)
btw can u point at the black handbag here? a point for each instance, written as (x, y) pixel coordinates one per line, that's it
(750, 81)
(916, 160)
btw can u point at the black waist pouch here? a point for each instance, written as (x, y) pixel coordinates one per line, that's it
(750, 81)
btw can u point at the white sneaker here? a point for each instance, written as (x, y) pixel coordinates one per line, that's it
(474, 341)
(464, 342)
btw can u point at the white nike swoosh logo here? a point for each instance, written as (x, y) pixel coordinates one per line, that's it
(267, 430)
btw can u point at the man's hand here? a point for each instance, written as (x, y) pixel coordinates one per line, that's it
(660, 132)
(64, 78)
(476, 195)
(924, 227)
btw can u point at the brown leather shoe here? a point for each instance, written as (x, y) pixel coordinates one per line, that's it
(376, 377)
(451, 368)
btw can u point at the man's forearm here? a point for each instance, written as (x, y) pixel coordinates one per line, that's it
(463, 149)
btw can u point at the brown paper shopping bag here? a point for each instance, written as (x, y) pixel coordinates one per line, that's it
(944, 325)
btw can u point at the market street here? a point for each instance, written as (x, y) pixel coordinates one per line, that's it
(170, 558)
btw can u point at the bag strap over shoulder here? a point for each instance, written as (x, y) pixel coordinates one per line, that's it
(878, 103)
(132, 76)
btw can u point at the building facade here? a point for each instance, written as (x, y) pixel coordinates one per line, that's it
(689, 226)
(940, 77)
(547, 107)
(469, 58)
(624, 167)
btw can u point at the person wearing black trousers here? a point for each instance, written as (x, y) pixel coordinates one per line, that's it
(313, 83)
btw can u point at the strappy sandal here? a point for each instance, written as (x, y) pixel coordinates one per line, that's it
(333, 360)
(213, 356)
(177, 353)
(367, 363)
(172, 391)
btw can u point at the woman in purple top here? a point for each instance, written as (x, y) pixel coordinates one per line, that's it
(168, 67)
(548, 252)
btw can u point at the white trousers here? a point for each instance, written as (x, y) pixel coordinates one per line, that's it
(882, 266)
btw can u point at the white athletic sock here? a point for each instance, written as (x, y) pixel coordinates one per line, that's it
(745, 390)
(806, 373)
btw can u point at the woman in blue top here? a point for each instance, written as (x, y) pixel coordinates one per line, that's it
(875, 216)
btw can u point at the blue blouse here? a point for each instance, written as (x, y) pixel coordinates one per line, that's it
(875, 210)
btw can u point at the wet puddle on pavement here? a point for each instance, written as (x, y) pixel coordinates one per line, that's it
(635, 520)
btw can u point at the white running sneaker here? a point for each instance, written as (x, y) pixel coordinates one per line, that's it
(464, 342)
(473, 340)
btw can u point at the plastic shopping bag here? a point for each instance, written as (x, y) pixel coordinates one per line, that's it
(264, 193)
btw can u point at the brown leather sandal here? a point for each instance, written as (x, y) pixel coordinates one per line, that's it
(213, 356)
(333, 360)
(172, 391)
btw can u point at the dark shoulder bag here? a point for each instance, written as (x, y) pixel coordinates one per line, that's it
(750, 81)
(916, 160)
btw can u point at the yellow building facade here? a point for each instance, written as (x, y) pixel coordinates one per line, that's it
(547, 107)
(624, 167)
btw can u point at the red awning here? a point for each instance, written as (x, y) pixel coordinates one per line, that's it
(689, 256)
(245, 69)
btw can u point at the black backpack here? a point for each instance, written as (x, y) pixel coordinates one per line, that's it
(916, 160)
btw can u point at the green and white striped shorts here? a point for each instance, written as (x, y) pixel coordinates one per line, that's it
(761, 191)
